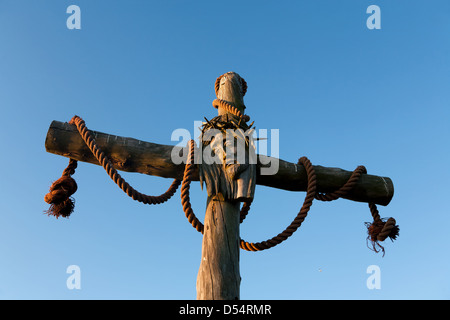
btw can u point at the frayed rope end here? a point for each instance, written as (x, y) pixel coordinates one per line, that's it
(379, 230)
(62, 209)
(59, 197)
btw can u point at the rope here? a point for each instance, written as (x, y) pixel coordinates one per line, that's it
(60, 193)
(296, 223)
(62, 204)
(59, 196)
(244, 211)
(345, 189)
(185, 200)
(380, 230)
(229, 108)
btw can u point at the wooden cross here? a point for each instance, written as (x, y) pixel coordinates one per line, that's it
(228, 183)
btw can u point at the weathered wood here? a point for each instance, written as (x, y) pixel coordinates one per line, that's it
(132, 155)
(230, 84)
(218, 275)
(228, 182)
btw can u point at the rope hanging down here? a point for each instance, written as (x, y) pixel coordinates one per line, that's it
(62, 204)
(59, 197)
(378, 230)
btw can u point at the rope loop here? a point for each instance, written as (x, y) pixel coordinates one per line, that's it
(62, 204)
(296, 223)
(378, 230)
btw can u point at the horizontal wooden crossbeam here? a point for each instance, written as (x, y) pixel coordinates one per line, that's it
(132, 155)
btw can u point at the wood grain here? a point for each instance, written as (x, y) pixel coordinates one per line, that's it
(132, 155)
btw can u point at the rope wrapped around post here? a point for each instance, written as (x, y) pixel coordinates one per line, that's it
(378, 230)
(62, 204)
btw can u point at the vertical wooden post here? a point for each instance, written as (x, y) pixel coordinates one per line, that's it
(219, 276)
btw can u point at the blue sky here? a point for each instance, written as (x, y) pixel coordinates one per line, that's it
(339, 93)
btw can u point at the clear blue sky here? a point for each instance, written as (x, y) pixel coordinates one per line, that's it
(339, 93)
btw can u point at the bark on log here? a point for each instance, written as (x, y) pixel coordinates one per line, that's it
(132, 155)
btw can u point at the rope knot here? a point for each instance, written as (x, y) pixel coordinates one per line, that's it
(59, 196)
(61, 204)
(380, 230)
